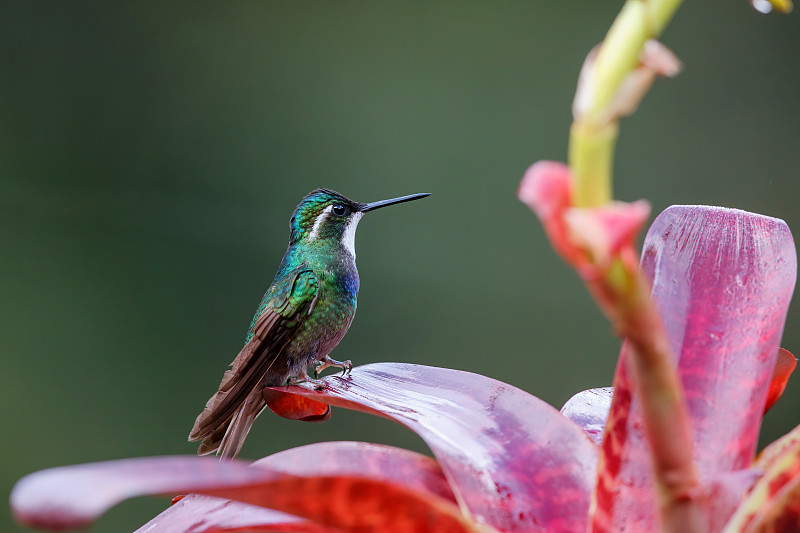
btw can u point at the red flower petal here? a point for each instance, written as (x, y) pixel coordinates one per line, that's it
(586, 238)
(547, 189)
(783, 369)
(605, 232)
(722, 280)
(205, 514)
(296, 407)
(70, 497)
(513, 461)
(376, 461)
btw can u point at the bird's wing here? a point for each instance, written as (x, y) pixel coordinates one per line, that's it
(290, 301)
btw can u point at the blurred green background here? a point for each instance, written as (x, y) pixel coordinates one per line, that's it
(151, 154)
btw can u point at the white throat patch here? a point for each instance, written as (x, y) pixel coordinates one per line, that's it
(349, 235)
(318, 222)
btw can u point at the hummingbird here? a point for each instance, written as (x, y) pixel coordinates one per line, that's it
(304, 314)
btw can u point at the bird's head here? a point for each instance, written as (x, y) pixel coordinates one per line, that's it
(324, 215)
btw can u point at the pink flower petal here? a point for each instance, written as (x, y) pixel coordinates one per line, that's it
(606, 231)
(722, 280)
(70, 497)
(74, 496)
(206, 514)
(586, 238)
(513, 461)
(589, 409)
(546, 188)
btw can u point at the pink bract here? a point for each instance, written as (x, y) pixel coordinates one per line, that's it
(722, 280)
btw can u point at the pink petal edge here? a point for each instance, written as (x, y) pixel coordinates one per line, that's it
(512, 460)
(206, 514)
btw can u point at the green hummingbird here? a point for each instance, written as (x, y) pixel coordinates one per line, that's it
(304, 314)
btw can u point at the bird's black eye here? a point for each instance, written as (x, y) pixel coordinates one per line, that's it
(339, 210)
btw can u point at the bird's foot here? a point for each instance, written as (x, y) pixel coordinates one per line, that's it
(327, 362)
(305, 378)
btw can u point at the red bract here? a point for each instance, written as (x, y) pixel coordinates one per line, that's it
(783, 369)
(586, 238)
(353, 486)
(208, 514)
(295, 407)
(505, 460)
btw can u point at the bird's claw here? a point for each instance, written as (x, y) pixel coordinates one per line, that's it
(305, 378)
(327, 362)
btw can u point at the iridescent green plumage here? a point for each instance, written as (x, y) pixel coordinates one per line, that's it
(302, 317)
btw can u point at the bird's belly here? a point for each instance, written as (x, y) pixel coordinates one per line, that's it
(318, 335)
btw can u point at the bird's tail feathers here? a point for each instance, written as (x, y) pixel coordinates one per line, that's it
(229, 444)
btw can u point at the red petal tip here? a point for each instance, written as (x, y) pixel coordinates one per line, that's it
(784, 367)
(296, 407)
(546, 188)
(606, 232)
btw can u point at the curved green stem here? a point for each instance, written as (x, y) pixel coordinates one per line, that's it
(591, 158)
(593, 135)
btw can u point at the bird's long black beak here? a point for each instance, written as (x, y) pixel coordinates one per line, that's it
(383, 203)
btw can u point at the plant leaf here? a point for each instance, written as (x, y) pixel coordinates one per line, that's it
(69, 497)
(784, 367)
(589, 409)
(205, 514)
(512, 460)
(722, 281)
